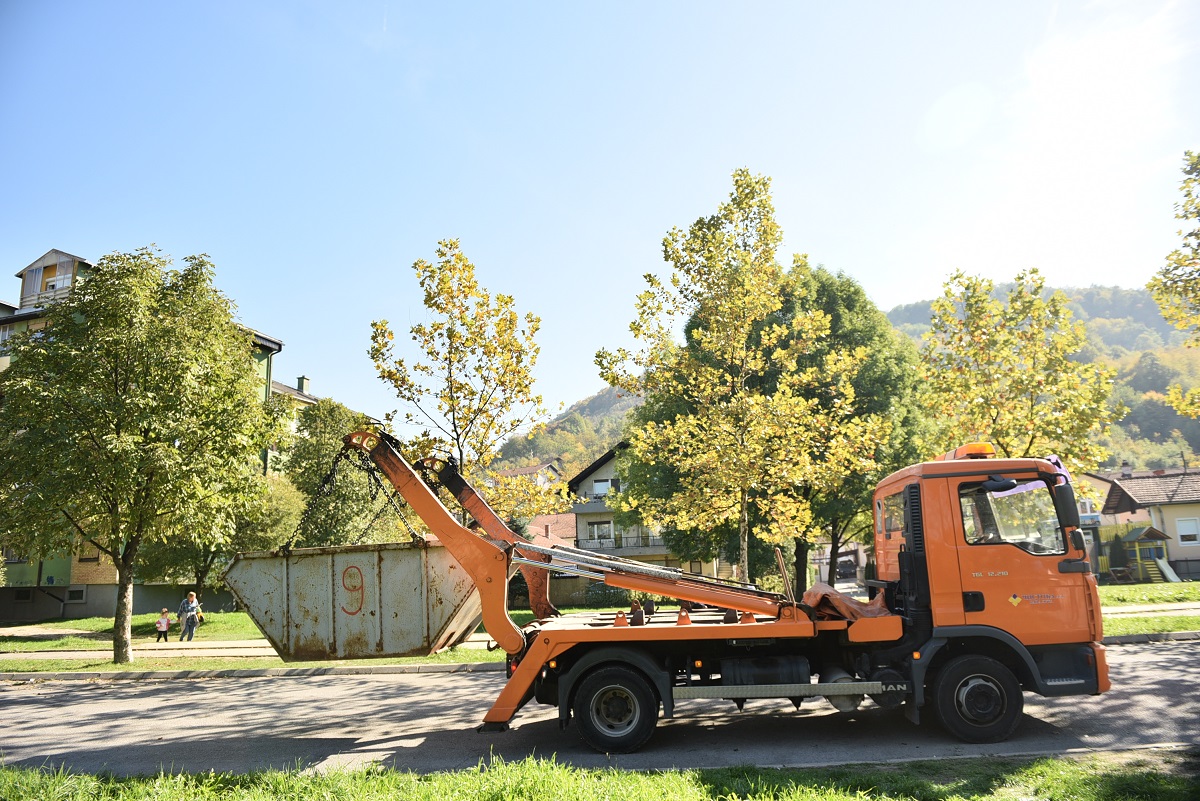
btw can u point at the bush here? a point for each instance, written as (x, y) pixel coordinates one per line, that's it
(599, 596)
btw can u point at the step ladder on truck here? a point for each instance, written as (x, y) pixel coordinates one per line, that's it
(983, 592)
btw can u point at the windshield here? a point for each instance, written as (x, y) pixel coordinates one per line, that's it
(1020, 513)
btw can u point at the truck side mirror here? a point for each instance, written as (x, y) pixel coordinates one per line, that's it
(1065, 506)
(1077, 540)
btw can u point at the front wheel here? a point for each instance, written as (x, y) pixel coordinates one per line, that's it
(977, 699)
(616, 710)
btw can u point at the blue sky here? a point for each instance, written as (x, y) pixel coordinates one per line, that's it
(315, 150)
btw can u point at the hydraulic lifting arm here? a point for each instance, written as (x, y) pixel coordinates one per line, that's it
(537, 579)
(486, 562)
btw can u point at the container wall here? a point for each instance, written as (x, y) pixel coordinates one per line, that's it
(397, 599)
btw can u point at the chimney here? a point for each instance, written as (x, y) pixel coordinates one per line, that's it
(302, 384)
(1160, 472)
(1126, 470)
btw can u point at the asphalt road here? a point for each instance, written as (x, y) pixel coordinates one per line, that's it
(427, 723)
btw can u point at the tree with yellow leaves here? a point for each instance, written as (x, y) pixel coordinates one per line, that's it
(474, 386)
(746, 428)
(1176, 287)
(1002, 372)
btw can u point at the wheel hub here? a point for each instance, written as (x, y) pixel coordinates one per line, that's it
(615, 710)
(979, 700)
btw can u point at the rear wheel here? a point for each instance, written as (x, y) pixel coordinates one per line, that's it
(977, 699)
(616, 710)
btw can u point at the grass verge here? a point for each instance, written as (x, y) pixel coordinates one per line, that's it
(1132, 594)
(216, 626)
(1117, 626)
(1165, 778)
(225, 626)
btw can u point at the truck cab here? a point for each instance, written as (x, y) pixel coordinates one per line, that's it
(983, 558)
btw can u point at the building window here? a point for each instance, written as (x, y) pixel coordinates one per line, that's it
(600, 530)
(6, 332)
(76, 595)
(1087, 506)
(57, 276)
(32, 283)
(600, 487)
(12, 556)
(23, 595)
(89, 553)
(1187, 530)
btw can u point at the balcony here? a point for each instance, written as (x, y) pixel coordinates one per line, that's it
(589, 503)
(40, 300)
(623, 542)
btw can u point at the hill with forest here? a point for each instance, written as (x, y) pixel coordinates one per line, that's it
(577, 436)
(1125, 331)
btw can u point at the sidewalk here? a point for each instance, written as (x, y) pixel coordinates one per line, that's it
(219, 648)
(479, 640)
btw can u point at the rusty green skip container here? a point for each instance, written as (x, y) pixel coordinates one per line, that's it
(357, 602)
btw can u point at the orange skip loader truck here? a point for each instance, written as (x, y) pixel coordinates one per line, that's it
(983, 592)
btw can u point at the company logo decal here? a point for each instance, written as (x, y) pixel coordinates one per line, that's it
(1036, 599)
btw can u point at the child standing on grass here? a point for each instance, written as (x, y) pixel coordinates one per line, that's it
(163, 624)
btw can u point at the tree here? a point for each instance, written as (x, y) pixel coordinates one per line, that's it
(747, 431)
(1176, 287)
(1003, 372)
(135, 417)
(1149, 374)
(263, 524)
(885, 388)
(474, 384)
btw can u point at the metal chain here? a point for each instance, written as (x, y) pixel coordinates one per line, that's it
(375, 485)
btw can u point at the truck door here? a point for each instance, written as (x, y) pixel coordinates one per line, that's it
(1013, 554)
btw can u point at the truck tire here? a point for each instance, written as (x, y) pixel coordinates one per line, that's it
(616, 709)
(977, 699)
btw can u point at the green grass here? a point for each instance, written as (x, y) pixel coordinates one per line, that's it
(1165, 777)
(1117, 626)
(1134, 594)
(230, 626)
(216, 626)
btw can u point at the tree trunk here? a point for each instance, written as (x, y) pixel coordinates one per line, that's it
(203, 569)
(122, 620)
(835, 546)
(744, 537)
(801, 567)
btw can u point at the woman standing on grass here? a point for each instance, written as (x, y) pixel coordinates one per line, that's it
(189, 616)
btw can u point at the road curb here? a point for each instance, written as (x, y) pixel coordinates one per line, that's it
(332, 670)
(1160, 636)
(362, 670)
